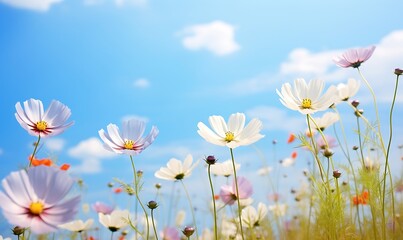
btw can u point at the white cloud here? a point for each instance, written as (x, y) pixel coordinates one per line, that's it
(301, 62)
(277, 119)
(141, 83)
(217, 37)
(138, 3)
(54, 144)
(37, 5)
(90, 152)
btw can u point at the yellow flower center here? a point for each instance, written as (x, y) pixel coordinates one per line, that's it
(36, 208)
(42, 125)
(229, 136)
(129, 144)
(306, 103)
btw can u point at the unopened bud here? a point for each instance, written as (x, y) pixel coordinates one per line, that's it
(18, 230)
(359, 112)
(355, 148)
(210, 160)
(398, 71)
(110, 184)
(152, 205)
(158, 185)
(188, 231)
(328, 153)
(336, 173)
(139, 173)
(355, 103)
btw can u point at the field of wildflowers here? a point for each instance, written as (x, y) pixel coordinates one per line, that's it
(356, 197)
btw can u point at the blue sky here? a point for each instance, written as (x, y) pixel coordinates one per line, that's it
(175, 63)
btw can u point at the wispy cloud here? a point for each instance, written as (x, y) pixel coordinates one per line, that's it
(217, 37)
(277, 119)
(36, 5)
(304, 63)
(54, 144)
(138, 3)
(90, 152)
(141, 83)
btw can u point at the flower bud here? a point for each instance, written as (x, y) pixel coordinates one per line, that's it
(359, 112)
(274, 142)
(188, 231)
(355, 148)
(152, 205)
(328, 153)
(355, 103)
(139, 173)
(398, 71)
(158, 185)
(110, 184)
(210, 160)
(336, 173)
(18, 230)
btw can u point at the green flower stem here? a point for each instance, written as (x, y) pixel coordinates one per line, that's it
(346, 153)
(315, 149)
(191, 208)
(237, 193)
(214, 206)
(360, 142)
(137, 189)
(35, 148)
(152, 219)
(387, 167)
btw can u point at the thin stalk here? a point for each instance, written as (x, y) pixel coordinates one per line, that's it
(237, 193)
(136, 186)
(360, 141)
(152, 219)
(315, 149)
(35, 148)
(191, 208)
(214, 206)
(387, 155)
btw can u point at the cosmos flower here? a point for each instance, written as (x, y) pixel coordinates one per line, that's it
(35, 199)
(233, 133)
(325, 121)
(291, 138)
(346, 91)
(130, 141)
(176, 170)
(39, 123)
(361, 198)
(170, 233)
(306, 97)
(228, 192)
(224, 169)
(116, 220)
(78, 225)
(354, 57)
(47, 162)
(101, 207)
(253, 218)
(278, 210)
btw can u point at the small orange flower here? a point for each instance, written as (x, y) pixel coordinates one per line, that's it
(361, 199)
(65, 167)
(38, 162)
(291, 138)
(117, 190)
(216, 197)
(294, 154)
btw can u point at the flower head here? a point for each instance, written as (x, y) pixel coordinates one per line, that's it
(101, 207)
(39, 123)
(362, 198)
(233, 133)
(224, 169)
(325, 121)
(130, 141)
(34, 198)
(77, 225)
(306, 97)
(115, 220)
(228, 192)
(354, 57)
(346, 91)
(176, 170)
(253, 218)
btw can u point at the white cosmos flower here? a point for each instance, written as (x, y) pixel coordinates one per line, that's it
(325, 121)
(176, 170)
(232, 134)
(278, 210)
(116, 220)
(36, 121)
(251, 217)
(130, 140)
(346, 91)
(224, 169)
(306, 97)
(77, 225)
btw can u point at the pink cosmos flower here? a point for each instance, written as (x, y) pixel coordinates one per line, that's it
(101, 207)
(170, 233)
(228, 192)
(37, 122)
(130, 141)
(354, 57)
(34, 199)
